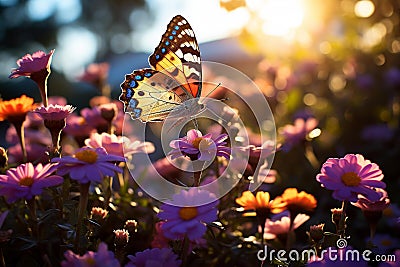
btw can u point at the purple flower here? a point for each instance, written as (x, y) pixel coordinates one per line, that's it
(385, 243)
(29, 64)
(88, 165)
(77, 127)
(93, 117)
(379, 205)
(199, 147)
(392, 77)
(103, 257)
(27, 181)
(37, 68)
(54, 112)
(118, 145)
(294, 134)
(160, 257)
(184, 217)
(350, 176)
(377, 132)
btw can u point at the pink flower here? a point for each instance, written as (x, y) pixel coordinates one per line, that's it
(282, 226)
(27, 181)
(199, 147)
(29, 64)
(379, 205)
(36, 67)
(95, 73)
(294, 134)
(78, 128)
(93, 118)
(57, 100)
(35, 152)
(103, 257)
(118, 145)
(160, 257)
(159, 239)
(184, 217)
(88, 165)
(54, 112)
(350, 176)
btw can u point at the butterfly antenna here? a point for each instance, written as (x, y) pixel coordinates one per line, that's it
(196, 125)
(209, 93)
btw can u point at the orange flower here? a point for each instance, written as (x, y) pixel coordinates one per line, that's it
(16, 108)
(260, 202)
(297, 202)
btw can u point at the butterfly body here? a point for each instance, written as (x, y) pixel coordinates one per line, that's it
(174, 81)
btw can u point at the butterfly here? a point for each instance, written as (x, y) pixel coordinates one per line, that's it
(174, 81)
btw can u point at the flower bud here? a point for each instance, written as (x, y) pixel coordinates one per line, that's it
(98, 214)
(317, 232)
(3, 158)
(131, 226)
(121, 238)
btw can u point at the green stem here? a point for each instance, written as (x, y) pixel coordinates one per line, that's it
(197, 178)
(185, 251)
(342, 222)
(19, 127)
(84, 192)
(40, 78)
(31, 204)
(3, 262)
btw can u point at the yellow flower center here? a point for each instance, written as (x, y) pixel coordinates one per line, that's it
(351, 179)
(88, 156)
(196, 142)
(26, 181)
(90, 261)
(386, 242)
(188, 213)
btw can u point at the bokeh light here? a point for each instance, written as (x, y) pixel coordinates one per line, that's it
(364, 8)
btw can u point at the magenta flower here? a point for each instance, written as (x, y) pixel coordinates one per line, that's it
(95, 73)
(160, 257)
(350, 176)
(27, 181)
(379, 205)
(29, 64)
(184, 217)
(93, 117)
(294, 134)
(88, 165)
(159, 240)
(282, 226)
(118, 145)
(54, 112)
(199, 147)
(36, 67)
(77, 127)
(103, 257)
(35, 153)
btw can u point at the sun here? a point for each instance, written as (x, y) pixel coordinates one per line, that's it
(280, 17)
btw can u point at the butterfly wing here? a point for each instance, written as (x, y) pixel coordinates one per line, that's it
(151, 94)
(148, 94)
(178, 55)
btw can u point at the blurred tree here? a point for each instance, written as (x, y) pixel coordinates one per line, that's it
(30, 23)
